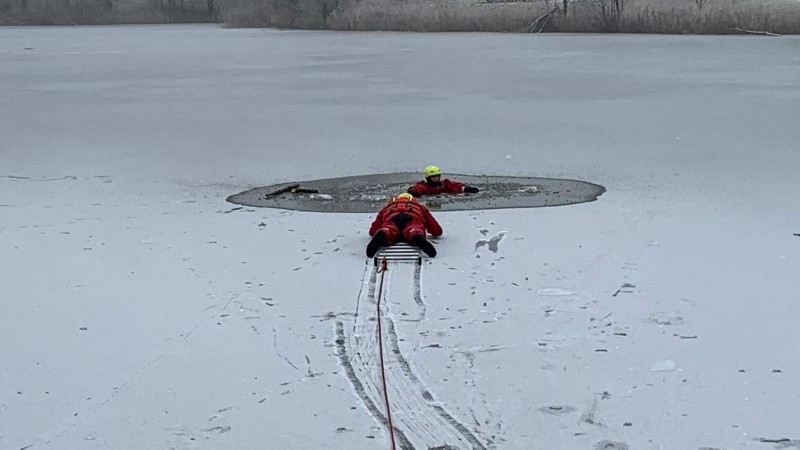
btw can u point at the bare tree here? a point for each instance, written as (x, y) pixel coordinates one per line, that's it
(212, 11)
(608, 13)
(700, 4)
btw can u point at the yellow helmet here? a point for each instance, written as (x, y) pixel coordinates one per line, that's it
(405, 196)
(431, 171)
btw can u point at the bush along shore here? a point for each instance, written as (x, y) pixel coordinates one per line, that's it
(759, 17)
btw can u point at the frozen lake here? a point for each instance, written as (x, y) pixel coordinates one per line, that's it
(216, 98)
(140, 310)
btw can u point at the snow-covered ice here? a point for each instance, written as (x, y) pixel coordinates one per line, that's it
(140, 310)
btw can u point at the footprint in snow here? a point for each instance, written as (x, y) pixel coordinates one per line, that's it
(557, 409)
(666, 318)
(610, 445)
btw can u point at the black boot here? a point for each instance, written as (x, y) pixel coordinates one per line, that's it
(424, 245)
(376, 243)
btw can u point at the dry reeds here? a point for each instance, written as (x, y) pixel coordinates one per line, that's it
(766, 17)
(451, 16)
(690, 17)
(629, 16)
(715, 19)
(101, 12)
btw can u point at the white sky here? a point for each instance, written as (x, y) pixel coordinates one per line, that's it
(137, 312)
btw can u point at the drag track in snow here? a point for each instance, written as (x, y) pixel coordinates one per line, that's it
(418, 419)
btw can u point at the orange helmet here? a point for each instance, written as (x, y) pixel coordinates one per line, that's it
(404, 197)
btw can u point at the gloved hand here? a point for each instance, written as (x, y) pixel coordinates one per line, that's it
(471, 190)
(414, 193)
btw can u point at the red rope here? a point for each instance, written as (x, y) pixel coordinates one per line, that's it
(383, 270)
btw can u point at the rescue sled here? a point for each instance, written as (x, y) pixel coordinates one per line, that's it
(399, 252)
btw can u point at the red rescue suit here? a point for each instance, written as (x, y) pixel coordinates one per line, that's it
(446, 186)
(404, 218)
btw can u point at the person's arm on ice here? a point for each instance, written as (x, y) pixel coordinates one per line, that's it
(431, 225)
(433, 184)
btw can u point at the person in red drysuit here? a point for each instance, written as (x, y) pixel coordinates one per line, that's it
(433, 184)
(403, 218)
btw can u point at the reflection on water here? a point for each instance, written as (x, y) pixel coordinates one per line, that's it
(363, 194)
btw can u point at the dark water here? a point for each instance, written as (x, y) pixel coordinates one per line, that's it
(364, 194)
